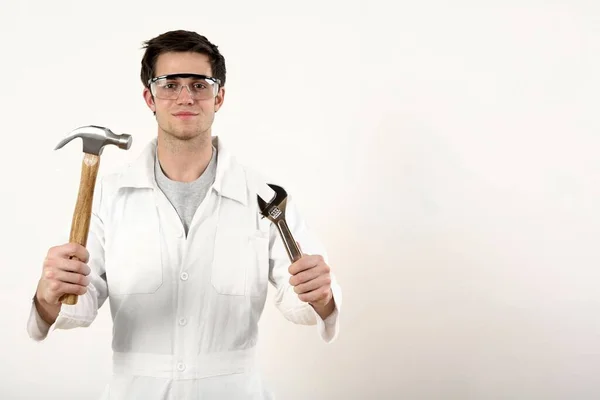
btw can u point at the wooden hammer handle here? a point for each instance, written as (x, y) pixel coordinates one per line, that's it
(80, 225)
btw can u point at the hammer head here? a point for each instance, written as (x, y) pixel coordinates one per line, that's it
(95, 138)
(274, 209)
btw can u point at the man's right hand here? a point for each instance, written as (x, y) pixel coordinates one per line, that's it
(61, 275)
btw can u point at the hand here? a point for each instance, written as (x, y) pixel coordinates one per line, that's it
(311, 280)
(61, 274)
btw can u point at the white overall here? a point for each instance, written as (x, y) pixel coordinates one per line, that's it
(185, 309)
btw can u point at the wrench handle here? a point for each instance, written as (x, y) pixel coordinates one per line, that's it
(288, 240)
(80, 225)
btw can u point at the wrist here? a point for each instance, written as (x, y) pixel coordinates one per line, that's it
(324, 309)
(47, 312)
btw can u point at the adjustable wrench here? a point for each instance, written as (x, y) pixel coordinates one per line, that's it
(275, 212)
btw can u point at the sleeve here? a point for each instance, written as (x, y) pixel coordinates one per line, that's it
(85, 311)
(286, 300)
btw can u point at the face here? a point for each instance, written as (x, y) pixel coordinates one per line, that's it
(184, 118)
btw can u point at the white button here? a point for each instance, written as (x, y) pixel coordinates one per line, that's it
(182, 321)
(179, 234)
(184, 276)
(181, 367)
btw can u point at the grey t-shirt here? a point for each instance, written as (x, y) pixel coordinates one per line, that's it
(187, 196)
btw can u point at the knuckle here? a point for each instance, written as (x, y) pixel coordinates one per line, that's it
(86, 270)
(69, 248)
(81, 267)
(297, 279)
(82, 290)
(47, 262)
(54, 286)
(49, 273)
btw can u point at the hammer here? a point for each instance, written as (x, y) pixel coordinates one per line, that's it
(94, 139)
(275, 212)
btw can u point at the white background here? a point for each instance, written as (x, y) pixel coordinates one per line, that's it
(447, 153)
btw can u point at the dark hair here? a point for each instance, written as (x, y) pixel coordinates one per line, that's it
(181, 41)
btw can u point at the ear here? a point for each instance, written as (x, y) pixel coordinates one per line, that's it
(149, 99)
(219, 99)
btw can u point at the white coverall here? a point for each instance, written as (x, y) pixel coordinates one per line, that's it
(185, 309)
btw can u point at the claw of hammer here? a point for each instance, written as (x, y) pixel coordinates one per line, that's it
(94, 139)
(274, 210)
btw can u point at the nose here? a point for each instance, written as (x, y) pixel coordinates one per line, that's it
(185, 96)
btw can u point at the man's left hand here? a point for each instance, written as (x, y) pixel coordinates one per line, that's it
(311, 280)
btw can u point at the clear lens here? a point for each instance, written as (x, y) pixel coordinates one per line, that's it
(170, 88)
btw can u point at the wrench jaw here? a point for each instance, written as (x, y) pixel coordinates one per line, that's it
(275, 212)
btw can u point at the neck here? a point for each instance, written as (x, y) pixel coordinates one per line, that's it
(184, 160)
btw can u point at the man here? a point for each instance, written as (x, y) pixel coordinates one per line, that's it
(178, 247)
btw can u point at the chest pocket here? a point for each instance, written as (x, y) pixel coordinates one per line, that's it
(241, 254)
(133, 254)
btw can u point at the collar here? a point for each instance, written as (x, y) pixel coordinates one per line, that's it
(230, 179)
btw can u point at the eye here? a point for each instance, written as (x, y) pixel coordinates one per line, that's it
(200, 86)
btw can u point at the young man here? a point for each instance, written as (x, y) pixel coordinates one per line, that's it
(178, 247)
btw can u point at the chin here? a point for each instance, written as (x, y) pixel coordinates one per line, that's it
(184, 130)
(186, 134)
(190, 133)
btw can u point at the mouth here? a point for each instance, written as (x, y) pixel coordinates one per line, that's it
(185, 115)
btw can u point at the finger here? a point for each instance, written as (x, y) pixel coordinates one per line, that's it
(64, 264)
(317, 283)
(305, 263)
(73, 265)
(70, 250)
(56, 289)
(67, 277)
(305, 276)
(70, 288)
(315, 295)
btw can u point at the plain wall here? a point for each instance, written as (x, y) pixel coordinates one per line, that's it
(446, 152)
